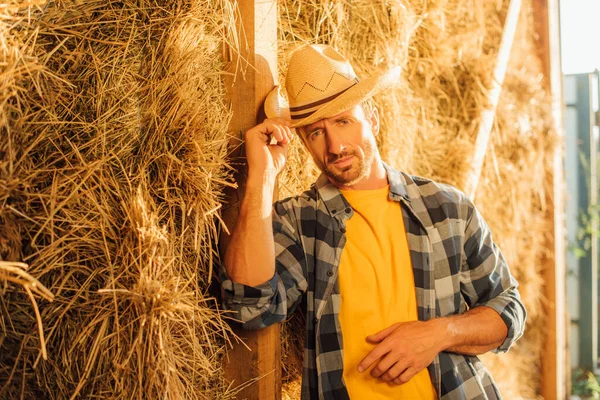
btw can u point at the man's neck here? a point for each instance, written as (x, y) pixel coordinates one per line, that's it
(377, 179)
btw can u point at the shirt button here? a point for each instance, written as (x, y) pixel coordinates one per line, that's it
(330, 273)
(343, 230)
(348, 210)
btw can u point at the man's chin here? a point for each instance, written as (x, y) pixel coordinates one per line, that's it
(347, 177)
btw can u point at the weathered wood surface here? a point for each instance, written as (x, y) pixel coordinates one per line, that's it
(256, 363)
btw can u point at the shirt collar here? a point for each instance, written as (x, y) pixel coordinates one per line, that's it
(336, 203)
(398, 185)
(331, 196)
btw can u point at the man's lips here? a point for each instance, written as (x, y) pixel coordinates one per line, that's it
(343, 162)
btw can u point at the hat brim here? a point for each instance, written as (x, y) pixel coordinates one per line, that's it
(363, 90)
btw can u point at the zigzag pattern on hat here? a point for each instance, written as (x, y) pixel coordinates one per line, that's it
(324, 89)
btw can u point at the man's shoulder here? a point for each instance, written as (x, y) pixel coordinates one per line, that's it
(305, 200)
(440, 200)
(431, 190)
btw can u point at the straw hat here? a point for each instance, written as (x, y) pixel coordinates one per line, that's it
(321, 83)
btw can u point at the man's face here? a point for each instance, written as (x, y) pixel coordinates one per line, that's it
(343, 146)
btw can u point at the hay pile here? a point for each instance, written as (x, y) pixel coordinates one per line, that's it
(448, 52)
(113, 145)
(519, 166)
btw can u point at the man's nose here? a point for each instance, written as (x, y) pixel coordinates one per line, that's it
(335, 141)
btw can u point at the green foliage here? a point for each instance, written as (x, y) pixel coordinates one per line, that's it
(585, 384)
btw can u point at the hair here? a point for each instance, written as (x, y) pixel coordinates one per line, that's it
(368, 106)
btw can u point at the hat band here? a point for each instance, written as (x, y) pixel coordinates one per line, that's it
(296, 112)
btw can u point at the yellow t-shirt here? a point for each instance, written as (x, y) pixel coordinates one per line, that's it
(377, 290)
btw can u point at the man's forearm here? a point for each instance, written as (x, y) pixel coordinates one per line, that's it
(250, 256)
(477, 331)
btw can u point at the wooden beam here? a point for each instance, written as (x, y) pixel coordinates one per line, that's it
(489, 114)
(555, 368)
(256, 363)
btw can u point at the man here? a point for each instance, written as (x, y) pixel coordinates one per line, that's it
(401, 281)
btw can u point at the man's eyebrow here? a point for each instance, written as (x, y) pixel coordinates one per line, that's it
(341, 117)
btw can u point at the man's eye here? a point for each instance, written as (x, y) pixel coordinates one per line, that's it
(344, 122)
(314, 134)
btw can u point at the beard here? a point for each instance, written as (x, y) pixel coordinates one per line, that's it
(353, 173)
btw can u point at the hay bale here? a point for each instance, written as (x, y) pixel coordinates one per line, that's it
(448, 52)
(113, 136)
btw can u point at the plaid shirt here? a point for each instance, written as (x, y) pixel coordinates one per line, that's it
(456, 266)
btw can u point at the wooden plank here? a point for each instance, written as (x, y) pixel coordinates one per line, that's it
(489, 114)
(257, 363)
(555, 368)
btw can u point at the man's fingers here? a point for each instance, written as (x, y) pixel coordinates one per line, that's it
(278, 134)
(395, 371)
(383, 366)
(374, 355)
(405, 376)
(271, 135)
(267, 129)
(281, 133)
(379, 336)
(288, 132)
(271, 132)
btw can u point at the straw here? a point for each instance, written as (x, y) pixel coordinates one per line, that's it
(15, 273)
(448, 50)
(113, 144)
(488, 115)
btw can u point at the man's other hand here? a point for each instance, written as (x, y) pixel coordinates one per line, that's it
(402, 350)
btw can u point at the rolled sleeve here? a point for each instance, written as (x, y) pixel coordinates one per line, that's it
(265, 304)
(255, 306)
(486, 279)
(512, 312)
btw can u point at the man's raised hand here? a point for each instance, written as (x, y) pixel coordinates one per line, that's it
(266, 147)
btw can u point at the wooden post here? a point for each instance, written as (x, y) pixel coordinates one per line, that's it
(256, 363)
(555, 368)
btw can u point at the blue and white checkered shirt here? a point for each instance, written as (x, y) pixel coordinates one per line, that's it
(456, 266)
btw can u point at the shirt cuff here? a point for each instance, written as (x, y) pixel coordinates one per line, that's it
(237, 294)
(510, 312)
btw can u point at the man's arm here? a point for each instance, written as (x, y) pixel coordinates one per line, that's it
(250, 255)
(495, 320)
(405, 348)
(485, 278)
(262, 276)
(479, 330)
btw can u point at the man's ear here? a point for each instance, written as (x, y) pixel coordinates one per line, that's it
(374, 119)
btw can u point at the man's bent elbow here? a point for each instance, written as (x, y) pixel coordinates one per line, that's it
(255, 307)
